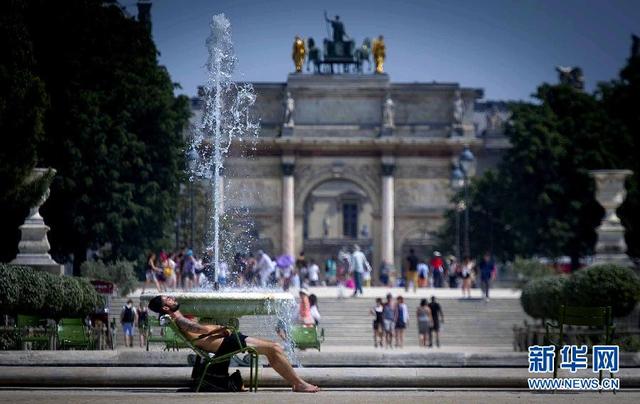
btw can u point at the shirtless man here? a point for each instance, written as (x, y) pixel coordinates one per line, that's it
(219, 340)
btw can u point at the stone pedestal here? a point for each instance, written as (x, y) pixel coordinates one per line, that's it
(610, 193)
(34, 245)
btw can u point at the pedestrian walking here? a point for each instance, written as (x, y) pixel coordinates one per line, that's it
(128, 317)
(265, 268)
(304, 309)
(411, 273)
(487, 274)
(143, 323)
(423, 314)
(359, 265)
(378, 323)
(467, 277)
(401, 319)
(330, 270)
(313, 308)
(437, 316)
(453, 271)
(151, 273)
(437, 269)
(313, 272)
(388, 314)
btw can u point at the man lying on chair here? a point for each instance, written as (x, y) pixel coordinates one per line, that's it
(219, 340)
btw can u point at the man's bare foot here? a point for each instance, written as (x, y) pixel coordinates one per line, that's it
(305, 387)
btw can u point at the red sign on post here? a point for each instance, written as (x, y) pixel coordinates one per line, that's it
(103, 287)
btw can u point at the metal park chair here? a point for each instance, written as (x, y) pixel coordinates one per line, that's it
(32, 329)
(209, 358)
(307, 337)
(158, 332)
(600, 317)
(72, 333)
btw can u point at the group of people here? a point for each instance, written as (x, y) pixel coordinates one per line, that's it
(170, 271)
(420, 273)
(130, 317)
(349, 269)
(391, 319)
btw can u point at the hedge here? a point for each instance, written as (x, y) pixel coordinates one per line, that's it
(600, 285)
(542, 298)
(605, 285)
(24, 290)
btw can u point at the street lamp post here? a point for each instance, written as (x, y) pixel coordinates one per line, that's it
(460, 179)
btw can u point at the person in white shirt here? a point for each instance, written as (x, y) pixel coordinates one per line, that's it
(313, 273)
(265, 268)
(359, 265)
(315, 314)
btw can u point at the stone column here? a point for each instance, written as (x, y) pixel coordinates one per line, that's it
(387, 214)
(610, 193)
(288, 214)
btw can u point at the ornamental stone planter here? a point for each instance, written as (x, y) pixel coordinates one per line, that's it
(610, 193)
(34, 245)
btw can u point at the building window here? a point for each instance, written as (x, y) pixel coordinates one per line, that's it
(350, 219)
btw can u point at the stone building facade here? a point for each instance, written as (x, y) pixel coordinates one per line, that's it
(352, 158)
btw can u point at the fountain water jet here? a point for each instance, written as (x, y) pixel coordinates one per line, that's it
(225, 118)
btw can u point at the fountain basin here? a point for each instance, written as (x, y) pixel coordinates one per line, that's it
(224, 306)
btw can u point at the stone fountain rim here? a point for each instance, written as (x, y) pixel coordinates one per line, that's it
(243, 296)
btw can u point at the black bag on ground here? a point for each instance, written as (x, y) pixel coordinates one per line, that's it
(216, 379)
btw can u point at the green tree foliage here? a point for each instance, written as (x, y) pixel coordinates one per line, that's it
(621, 99)
(113, 128)
(120, 273)
(540, 200)
(23, 102)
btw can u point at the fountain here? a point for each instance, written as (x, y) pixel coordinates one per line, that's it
(225, 117)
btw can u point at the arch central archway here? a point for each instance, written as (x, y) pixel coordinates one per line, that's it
(337, 213)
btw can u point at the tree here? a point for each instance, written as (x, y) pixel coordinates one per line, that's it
(23, 103)
(621, 99)
(114, 129)
(540, 200)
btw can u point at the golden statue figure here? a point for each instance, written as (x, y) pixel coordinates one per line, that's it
(299, 52)
(379, 53)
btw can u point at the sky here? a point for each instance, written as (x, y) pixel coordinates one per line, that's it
(506, 47)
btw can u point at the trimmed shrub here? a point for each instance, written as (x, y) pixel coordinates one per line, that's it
(605, 285)
(542, 298)
(24, 290)
(120, 272)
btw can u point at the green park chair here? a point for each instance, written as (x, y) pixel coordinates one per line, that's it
(209, 358)
(600, 317)
(26, 334)
(72, 333)
(159, 333)
(307, 337)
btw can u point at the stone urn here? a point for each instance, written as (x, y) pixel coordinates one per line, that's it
(610, 193)
(34, 245)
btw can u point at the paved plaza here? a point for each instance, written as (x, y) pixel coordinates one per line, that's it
(282, 396)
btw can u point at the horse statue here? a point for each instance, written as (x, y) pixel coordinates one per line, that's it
(313, 56)
(362, 54)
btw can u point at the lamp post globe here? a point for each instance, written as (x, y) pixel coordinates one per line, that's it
(466, 159)
(457, 178)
